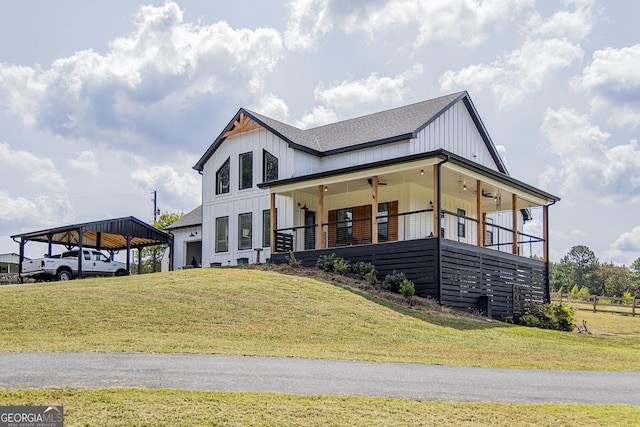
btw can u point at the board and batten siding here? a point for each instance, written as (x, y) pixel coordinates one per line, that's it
(365, 155)
(454, 131)
(181, 237)
(236, 202)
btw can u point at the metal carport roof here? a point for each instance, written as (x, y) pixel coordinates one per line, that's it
(110, 234)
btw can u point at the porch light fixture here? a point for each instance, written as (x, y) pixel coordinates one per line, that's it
(422, 172)
(303, 206)
(193, 234)
(326, 188)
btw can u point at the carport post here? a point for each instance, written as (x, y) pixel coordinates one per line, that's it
(80, 253)
(22, 242)
(128, 252)
(139, 261)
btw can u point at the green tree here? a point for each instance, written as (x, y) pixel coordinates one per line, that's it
(635, 277)
(560, 276)
(579, 264)
(152, 255)
(611, 281)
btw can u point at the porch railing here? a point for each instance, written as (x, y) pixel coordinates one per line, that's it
(406, 226)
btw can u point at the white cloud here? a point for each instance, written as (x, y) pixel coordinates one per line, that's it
(318, 117)
(157, 82)
(457, 21)
(612, 80)
(626, 248)
(272, 106)
(550, 45)
(42, 210)
(460, 21)
(86, 162)
(372, 90)
(518, 74)
(587, 164)
(573, 24)
(308, 22)
(38, 170)
(185, 186)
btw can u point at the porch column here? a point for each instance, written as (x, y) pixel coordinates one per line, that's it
(374, 209)
(436, 200)
(514, 213)
(480, 215)
(272, 223)
(320, 240)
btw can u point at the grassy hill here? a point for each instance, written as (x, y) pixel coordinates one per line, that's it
(262, 313)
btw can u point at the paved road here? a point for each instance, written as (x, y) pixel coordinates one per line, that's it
(315, 377)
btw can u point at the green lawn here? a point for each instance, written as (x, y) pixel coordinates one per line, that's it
(127, 407)
(252, 312)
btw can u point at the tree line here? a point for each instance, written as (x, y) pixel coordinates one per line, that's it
(580, 272)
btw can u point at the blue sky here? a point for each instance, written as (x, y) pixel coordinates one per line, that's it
(104, 102)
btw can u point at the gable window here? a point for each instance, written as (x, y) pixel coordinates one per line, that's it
(244, 231)
(222, 234)
(222, 178)
(246, 170)
(269, 167)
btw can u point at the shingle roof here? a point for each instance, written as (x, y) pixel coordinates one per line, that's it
(191, 219)
(378, 128)
(397, 123)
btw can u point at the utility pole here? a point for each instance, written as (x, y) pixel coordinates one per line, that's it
(155, 205)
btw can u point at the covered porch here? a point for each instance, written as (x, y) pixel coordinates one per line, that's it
(450, 225)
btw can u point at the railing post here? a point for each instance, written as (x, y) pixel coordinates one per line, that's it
(595, 302)
(633, 307)
(320, 237)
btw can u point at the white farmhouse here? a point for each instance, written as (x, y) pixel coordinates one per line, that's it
(419, 189)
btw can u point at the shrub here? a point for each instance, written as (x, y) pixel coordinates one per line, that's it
(372, 277)
(393, 281)
(293, 262)
(341, 266)
(362, 269)
(407, 288)
(556, 316)
(325, 262)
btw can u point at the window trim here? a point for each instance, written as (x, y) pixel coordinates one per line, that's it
(227, 163)
(265, 157)
(241, 170)
(243, 245)
(217, 249)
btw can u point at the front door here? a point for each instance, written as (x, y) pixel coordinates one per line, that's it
(309, 230)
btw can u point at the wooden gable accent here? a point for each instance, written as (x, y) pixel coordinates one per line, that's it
(241, 125)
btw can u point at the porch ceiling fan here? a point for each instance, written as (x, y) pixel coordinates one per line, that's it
(370, 181)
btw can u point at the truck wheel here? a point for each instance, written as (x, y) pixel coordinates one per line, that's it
(120, 273)
(64, 275)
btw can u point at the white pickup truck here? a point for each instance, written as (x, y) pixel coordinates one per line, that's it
(65, 266)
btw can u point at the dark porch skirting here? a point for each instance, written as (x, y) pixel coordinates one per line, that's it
(470, 277)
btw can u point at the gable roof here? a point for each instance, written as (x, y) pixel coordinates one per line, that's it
(383, 127)
(192, 219)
